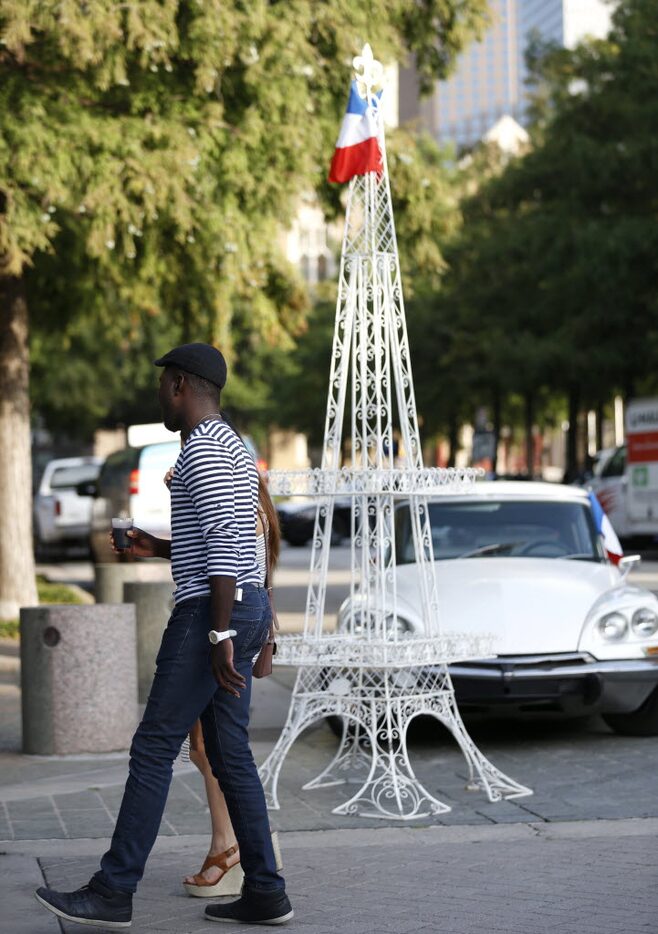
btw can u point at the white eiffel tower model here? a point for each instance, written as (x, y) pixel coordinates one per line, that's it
(369, 672)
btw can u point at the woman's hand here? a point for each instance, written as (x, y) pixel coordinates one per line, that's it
(168, 477)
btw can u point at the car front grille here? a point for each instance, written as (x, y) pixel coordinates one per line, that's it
(530, 661)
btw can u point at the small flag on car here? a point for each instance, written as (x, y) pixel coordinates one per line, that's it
(611, 543)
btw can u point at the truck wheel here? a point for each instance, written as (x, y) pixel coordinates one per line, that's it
(641, 722)
(43, 552)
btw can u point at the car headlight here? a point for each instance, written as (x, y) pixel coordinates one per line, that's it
(644, 622)
(361, 622)
(612, 627)
(353, 623)
(397, 627)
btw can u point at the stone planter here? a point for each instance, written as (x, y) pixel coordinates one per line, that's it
(78, 678)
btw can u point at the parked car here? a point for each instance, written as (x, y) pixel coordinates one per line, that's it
(62, 516)
(130, 484)
(595, 465)
(524, 561)
(297, 521)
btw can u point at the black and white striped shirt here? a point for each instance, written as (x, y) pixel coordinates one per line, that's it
(214, 498)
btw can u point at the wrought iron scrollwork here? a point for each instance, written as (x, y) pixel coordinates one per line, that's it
(370, 672)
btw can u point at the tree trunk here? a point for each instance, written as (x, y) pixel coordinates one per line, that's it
(496, 417)
(571, 468)
(17, 577)
(453, 441)
(599, 426)
(529, 439)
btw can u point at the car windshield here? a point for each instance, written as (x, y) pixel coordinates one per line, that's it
(65, 478)
(504, 529)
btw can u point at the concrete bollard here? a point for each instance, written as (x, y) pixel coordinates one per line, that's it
(153, 605)
(78, 678)
(110, 577)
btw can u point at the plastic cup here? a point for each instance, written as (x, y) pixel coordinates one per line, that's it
(119, 528)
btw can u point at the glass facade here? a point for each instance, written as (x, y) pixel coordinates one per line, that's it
(543, 19)
(485, 83)
(565, 22)
(543, 16)
(489, 81)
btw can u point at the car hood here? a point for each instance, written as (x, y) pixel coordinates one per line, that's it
(531, 605)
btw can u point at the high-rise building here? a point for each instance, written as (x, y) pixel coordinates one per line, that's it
(565, 22)
(489, 80)
(484, 87)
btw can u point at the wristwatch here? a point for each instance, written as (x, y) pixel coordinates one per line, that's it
(215, 636)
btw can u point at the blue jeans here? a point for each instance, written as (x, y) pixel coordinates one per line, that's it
(184, 689)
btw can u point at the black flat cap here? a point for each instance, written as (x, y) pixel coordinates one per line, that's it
(201, 359)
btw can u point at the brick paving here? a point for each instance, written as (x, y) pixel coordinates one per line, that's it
(582, 878)
(577, 773)
(578, 857)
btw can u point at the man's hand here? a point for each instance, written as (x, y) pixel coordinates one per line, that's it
(143, 545)
(221, 660)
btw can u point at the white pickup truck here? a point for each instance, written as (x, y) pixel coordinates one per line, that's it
(61, 515)
(626, 478)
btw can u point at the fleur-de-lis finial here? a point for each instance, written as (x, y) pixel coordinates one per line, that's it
(369, 72)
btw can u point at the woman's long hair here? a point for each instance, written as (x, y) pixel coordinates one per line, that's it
(272, 529)
(265, 504)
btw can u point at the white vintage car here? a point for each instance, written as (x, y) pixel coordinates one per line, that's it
(525, 562)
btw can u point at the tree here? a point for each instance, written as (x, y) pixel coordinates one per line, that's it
(426, 214)
(555, 267)
(168, 139)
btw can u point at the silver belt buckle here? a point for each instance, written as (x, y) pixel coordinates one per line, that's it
(238, 595)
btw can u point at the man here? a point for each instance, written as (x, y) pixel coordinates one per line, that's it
(214, 496)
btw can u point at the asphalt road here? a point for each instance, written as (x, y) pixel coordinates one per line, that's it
(292, 575)
(291, 579)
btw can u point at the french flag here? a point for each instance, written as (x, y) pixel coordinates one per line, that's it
(604, 527)
(357, 150)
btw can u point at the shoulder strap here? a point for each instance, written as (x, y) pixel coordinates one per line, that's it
(268, 568)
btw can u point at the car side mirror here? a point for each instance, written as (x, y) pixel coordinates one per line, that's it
(627, 563)
(88, 488)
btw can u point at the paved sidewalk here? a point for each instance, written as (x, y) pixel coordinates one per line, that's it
(591, 877)
(578, 857)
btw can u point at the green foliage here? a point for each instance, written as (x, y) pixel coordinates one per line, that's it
(48, 593)
(425, 204)
(150, 154)
(302, 380)
(551, 289)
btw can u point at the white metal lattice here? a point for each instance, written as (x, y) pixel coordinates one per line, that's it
(370, 672)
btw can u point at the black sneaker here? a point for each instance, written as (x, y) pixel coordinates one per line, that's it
(253, 908)
(93, 904)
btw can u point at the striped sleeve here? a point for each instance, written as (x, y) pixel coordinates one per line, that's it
(208, 475)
